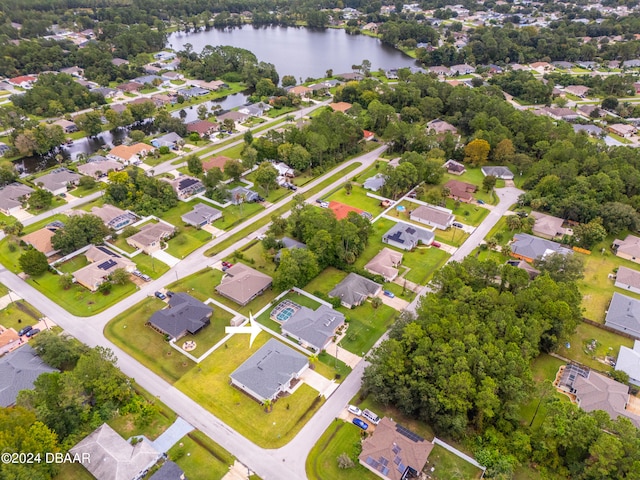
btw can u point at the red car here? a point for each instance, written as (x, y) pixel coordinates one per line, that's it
(435, 244)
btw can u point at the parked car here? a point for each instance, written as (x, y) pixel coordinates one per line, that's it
(480, 202)
(146, 278)
(160, 295)
(33, 332)
(323, 204)
(355, 410)
(363, 425)
(25, 330)
(457, 225)
(261, 236)
(389, 294)
(169, 293)
(522, 214)
(435, 244)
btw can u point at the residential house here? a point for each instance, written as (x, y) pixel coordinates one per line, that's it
(628, 279)
(242, 194)
(74, 71)
(462, 69)
(19, 370)
(529, 248)
(66, 125)
(106, 92)
(368, 136)
(242, 284)
(213, 85)
(168, 471)
(441, 218)
(558, 113)
(587, 110)
(184, 315)
(57, 181)
(237, 117)
(118, 62)
(24, 81)
(203, 127)
(41, 239)
(440, 127)
(12, 196)
(622, 130)
(440, 70)
(300, 91)
(201, 215)
(541, 67)
(461, 190)
(527, 267)
(629, 362)
(4, 149)
(624, 314)
(577, 90)
(193, 92)
(288, 244)
(103, 263)
(170, 76)
(171, 140)
(594, 391)
(314, 329)
(114, 217)
(407, 237)
(149, 80)
(255, 110)
(354, 290)
(375, 183)
(342, 210)
(340, 107)
(284, 170)
(370, 27)
(164, 56)
(130, 87)
(9, 341)
(394, 452)
(162, 99)
(114, 458)
(186, 186)
(499, 172)
(385, 264)
(547, 226)
(130, 154)
(150, 237)
(592, 130)
(99, 166)
(215, 162)
(350, 76)
(269, 371)
(453, 167)
(629, 248)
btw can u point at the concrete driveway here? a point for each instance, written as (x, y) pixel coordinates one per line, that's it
(164, 257)
(396, 303)
(324, 386)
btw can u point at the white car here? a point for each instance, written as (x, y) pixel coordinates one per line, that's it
(261, 236)
(355, 410)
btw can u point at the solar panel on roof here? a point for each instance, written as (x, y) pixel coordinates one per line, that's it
(409, 434)
(401, 467)
(397, 460)
(384, 461)
(385, 471)
(107, 265)
(410, 230)
(108, 252)
(396, 449)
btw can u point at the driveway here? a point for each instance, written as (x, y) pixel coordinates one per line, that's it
(172, 435)
(324, 386)
(22, 215)
(165, 257)
(396, 303)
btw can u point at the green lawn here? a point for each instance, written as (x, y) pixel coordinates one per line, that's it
(187, 240)
(607, 344)
(339, 438)
(200, 457)
(76, 263)
(276, 112)
(150, 266)
(122, 244)
(3, 290)
(331, 367)
(128, 331)
(83, 192)
(377, 167)
(467, 213)
(234, 214)
(325, 281)
(233, 152)
(153, 161)
(448, 466)
(253, 255)
(55, 202)
(73, 470)
(366, 326)
(358, 198)
(451, 236)
(271, 430)
(18, 314)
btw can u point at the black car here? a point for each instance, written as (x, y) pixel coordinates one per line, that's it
(25, 330)
(33, 332)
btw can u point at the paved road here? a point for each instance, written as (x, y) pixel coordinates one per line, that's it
(507, 196)
(287, 462)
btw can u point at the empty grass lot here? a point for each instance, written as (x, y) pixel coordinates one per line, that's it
(128, 331)
(450, 467)
(269, 430)
(18, 315)
(608, 343)
(467, 213)
(235, 214)
(187, 240)
(76, 263)
(200, 457)
(252, 255)
(371, 171)
(322, 462)
(358, 198)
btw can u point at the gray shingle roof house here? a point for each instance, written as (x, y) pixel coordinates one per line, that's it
(18, 370)
(499, 172)
(112, 457)
(201, 215)
(629, 248)
(629, 362)
(242, 194)
(57, 180)
(288, 243)
(407, 237)
(385, 263)
(149, 238)
(628, 279)
(594, 391)
(269, 371)
(527, 247)
(354, 290)
(169, 471)
(375, 183)
(313, 328)
(184, 315)
(98, 166)
(624, 314)
(114, 217)
(432, 216)
(11, 197)
(242, 284)
(170, 140)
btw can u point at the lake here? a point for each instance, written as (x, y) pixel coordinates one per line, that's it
(301, 52)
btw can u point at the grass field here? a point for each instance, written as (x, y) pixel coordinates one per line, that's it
(448, 466)
(371, 171)
(187, 240)
(607, 344)
(150, 266)
(18, 314)
(339, 438)
(76, 263)
(200, 457)
(357, 198)
(271, 430)
(467, 213)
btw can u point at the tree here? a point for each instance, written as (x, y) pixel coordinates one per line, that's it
(297, 267)
(504, 151)
(14, 228)
(40, 199)
(79, 231)
(514, 222)
(610, 103)
(59, 351)
(288, 81)
(233, 168)
(33, 262)
(266, 176)
(589, 234)
(119, 276)
(137, 135)
(278, 226)
(65, 281)
(86, 182)
(376, 302)
(348, 187)
(561, 268)
(265, 88)
(476, 152)
(618, 216)
(202, 112)
(229, 124)
(89, 122)
(194, 165)
(489, 182)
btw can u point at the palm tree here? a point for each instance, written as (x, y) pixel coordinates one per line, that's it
(313, 359)
(268, 405)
